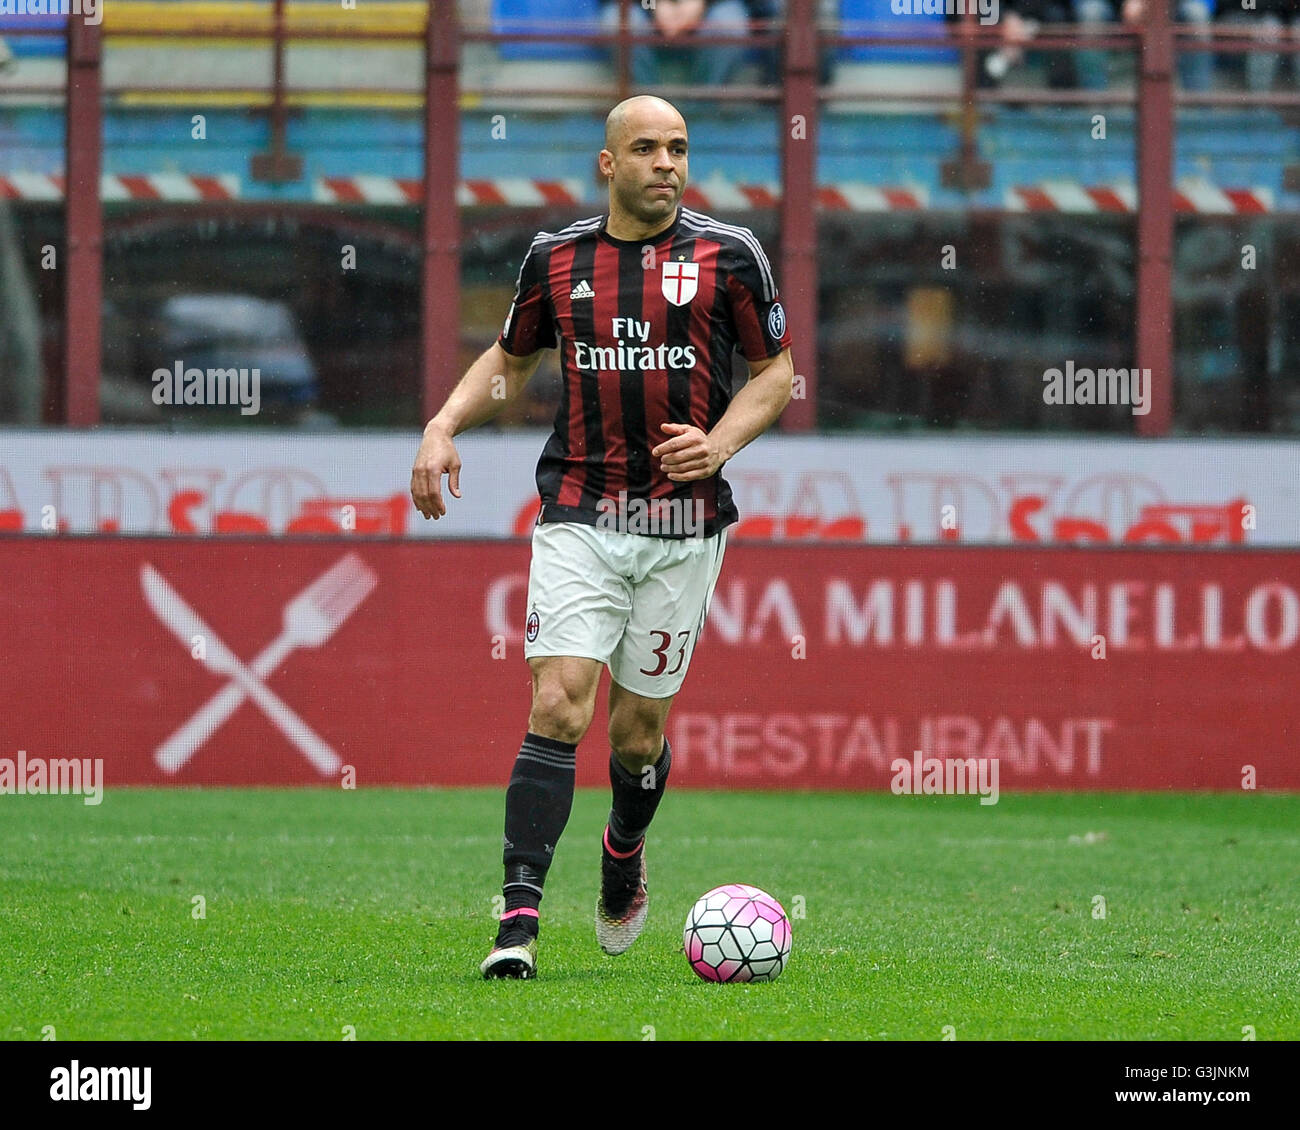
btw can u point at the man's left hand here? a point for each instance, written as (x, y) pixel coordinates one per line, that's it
(689, 455)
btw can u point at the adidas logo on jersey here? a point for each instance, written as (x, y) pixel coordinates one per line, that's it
(582, 290)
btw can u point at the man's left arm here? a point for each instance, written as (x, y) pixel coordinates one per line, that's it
(691, 454)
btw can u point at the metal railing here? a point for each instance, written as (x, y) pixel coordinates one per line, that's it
(1157, 43)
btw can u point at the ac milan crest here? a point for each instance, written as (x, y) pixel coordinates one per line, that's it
(680, 281)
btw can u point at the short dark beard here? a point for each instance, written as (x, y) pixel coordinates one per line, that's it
(639, 210)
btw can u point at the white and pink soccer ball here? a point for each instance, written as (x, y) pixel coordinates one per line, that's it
(737, 933)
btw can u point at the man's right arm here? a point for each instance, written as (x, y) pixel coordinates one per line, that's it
(492, 382)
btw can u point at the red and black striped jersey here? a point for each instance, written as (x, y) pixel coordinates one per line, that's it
(646, 330)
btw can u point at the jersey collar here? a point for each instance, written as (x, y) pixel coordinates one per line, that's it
(667, 233)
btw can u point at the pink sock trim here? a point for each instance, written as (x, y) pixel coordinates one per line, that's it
(621, 854)
(528, 910)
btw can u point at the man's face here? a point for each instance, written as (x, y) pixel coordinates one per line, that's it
(648, 165)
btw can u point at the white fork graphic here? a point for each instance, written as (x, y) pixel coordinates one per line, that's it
(311, 618)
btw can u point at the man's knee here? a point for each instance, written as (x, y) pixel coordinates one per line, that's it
(561, 710)
(637, 740)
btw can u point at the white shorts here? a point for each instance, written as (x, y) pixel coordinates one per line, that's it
(634, 603)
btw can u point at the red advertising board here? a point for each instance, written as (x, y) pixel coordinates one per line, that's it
(189, 661)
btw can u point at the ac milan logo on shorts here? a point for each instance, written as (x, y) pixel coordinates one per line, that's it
(776, 321)
(534, 626)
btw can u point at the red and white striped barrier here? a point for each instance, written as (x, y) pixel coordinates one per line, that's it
(1195, 197)
(365, 190)
(518, 191)
(30, 186)
(180, 187)
(1205, 198)
(716, 195)
(852, 197)
(169, 186)
(1191, 196)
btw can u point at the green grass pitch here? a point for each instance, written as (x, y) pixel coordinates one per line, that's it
(327, 912)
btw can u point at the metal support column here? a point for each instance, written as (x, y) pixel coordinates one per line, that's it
(1155, 219)
(84, 220)
(440, 229)
(798, 281)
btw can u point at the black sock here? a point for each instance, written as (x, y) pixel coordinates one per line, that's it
(538, 802)
(634, 800)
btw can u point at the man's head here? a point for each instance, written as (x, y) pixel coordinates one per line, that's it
(645, 149)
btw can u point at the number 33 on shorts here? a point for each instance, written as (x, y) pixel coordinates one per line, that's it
(663, 646)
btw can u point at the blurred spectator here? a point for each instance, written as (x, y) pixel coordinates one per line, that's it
(1267, 18)
(1195, 68)
(772, 12)
(676, 20)
(1088, 69)
(1020, 20)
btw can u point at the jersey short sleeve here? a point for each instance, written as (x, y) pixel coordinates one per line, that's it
(756, 307)
(529, 326)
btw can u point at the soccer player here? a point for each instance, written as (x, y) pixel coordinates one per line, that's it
(646, 304)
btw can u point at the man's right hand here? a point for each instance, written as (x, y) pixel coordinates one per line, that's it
(437, 457)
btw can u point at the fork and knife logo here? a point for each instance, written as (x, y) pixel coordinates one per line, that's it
(309, 619)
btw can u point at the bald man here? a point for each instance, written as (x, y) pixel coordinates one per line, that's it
(646, 304)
